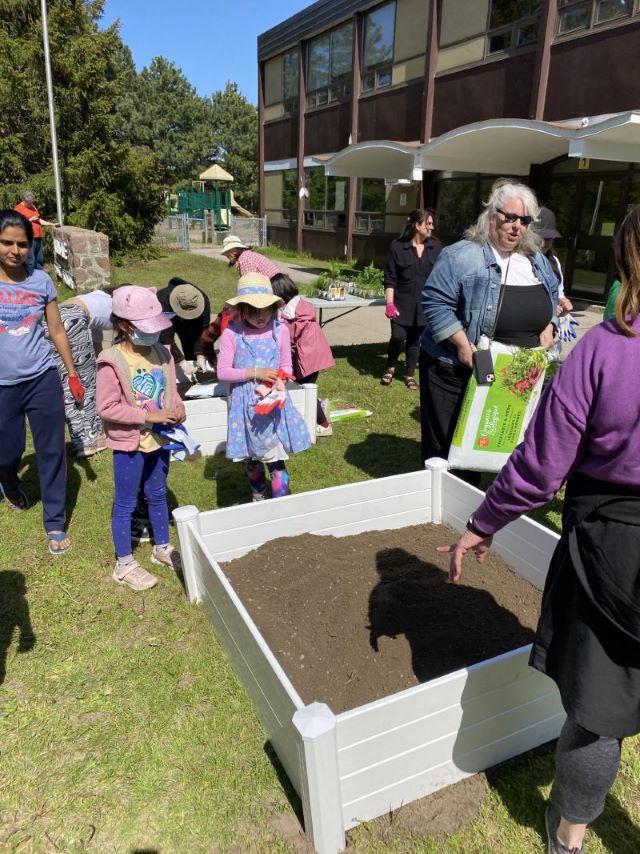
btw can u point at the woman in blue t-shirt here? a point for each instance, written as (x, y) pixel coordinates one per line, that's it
(29, 380)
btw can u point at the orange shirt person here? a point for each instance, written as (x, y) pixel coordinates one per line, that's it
(27, 208)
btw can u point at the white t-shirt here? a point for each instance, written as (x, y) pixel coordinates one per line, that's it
(516, 268)
(99, 305)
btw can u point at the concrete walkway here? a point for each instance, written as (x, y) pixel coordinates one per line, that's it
(369, 325)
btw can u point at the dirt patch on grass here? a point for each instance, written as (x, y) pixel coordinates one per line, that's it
(353, 619)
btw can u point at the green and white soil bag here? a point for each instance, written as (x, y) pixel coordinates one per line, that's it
(494, 417)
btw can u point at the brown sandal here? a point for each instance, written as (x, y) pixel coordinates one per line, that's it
(386, 378)
(411, 383)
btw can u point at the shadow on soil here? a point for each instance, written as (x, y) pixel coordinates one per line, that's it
(414, 598)
(14, 616)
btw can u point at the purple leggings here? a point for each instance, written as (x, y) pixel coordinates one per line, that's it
(131, 470)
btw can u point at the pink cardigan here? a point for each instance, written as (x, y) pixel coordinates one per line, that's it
(123, 419)
(310, 349)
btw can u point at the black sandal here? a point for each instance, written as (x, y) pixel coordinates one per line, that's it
(15, 500)
(387, 378)
(411, 383)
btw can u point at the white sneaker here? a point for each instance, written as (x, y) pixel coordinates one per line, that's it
(168, 556)
(134, 576)
(324, 431)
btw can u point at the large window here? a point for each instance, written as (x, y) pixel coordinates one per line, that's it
(371, 207)
(512, 24)
(377, 55)
(329, 67)
(574, 15)
(290, 81)
(327, 200)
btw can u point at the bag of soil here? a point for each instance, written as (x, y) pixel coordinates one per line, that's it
(494, 416)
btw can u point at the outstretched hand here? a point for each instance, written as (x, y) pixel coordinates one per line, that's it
(467, 542)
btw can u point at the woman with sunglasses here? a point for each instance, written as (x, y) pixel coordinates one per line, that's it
(496, 282)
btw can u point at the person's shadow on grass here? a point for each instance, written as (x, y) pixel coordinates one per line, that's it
(14, 616)
(232, 484)
(383, 454)
(367, 359)
(519, 781)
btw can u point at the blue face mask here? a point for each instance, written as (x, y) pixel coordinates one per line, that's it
(144, 339)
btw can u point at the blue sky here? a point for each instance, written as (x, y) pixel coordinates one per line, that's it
(211, 42)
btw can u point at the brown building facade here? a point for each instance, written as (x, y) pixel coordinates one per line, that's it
(343, 76)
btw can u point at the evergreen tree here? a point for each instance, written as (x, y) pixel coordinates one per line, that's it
(236, 138)
(106, 184)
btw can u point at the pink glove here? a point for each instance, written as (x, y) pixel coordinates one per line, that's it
(75, 387)
(391, 311)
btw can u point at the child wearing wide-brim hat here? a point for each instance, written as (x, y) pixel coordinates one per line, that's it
(263, 426)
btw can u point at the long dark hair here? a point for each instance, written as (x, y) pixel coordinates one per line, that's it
(417, 216)
(626, 248)
(12, 219)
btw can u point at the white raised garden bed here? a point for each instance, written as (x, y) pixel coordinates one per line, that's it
(207, 416)
(362, 763)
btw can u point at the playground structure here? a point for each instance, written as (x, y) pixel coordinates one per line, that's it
(210, 198)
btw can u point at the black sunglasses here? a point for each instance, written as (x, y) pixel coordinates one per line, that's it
(513, 217)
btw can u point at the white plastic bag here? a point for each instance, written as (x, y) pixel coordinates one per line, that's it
(494, 417)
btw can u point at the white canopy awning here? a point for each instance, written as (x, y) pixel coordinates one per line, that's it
(375, 159)
(496, 146)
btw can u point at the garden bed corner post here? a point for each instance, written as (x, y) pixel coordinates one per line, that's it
(186, 517)
(437, 467)
(321, 801)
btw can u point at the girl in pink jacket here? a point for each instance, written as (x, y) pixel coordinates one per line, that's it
(136, 389)
(310, 350)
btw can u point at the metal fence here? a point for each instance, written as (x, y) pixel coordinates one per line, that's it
(179, 231)
(250, 230)
(173, 231)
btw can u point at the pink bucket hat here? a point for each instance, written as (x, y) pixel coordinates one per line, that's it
(141, 307)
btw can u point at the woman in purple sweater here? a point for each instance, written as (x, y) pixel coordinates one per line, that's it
(586, 431)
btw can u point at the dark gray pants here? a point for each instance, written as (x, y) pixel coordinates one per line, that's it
(586, 766)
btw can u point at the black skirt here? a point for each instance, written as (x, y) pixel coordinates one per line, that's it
(588, 636)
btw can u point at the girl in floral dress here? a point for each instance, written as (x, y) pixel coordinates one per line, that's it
(263, 425)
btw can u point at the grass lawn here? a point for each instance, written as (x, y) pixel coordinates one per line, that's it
(122, 726)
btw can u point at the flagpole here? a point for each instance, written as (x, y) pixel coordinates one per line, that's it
(52, 117)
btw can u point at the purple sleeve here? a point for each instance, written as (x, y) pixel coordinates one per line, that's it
(553, 447)
(225, 370)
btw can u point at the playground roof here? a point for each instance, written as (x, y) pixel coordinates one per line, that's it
(215, 173)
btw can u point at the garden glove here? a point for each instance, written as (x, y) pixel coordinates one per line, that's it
(274, 395)
(566, 327)
(391, 311)
(75, 387)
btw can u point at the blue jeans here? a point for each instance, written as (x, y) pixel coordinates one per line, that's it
(131, 470)
(35, 258)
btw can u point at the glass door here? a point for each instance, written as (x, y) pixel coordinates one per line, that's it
(597, 223)
(588, 211)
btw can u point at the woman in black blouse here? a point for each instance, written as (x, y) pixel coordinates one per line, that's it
(409, 262)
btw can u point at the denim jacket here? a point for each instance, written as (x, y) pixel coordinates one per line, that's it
(462, 293)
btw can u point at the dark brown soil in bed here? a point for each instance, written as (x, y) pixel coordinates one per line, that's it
(352, 619)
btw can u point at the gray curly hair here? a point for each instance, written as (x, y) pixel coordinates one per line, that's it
(502, 190)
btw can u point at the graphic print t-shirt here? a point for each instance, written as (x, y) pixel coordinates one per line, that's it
(24, 351)
(147, 386)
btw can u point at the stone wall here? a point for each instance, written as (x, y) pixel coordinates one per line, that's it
(81, 258)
